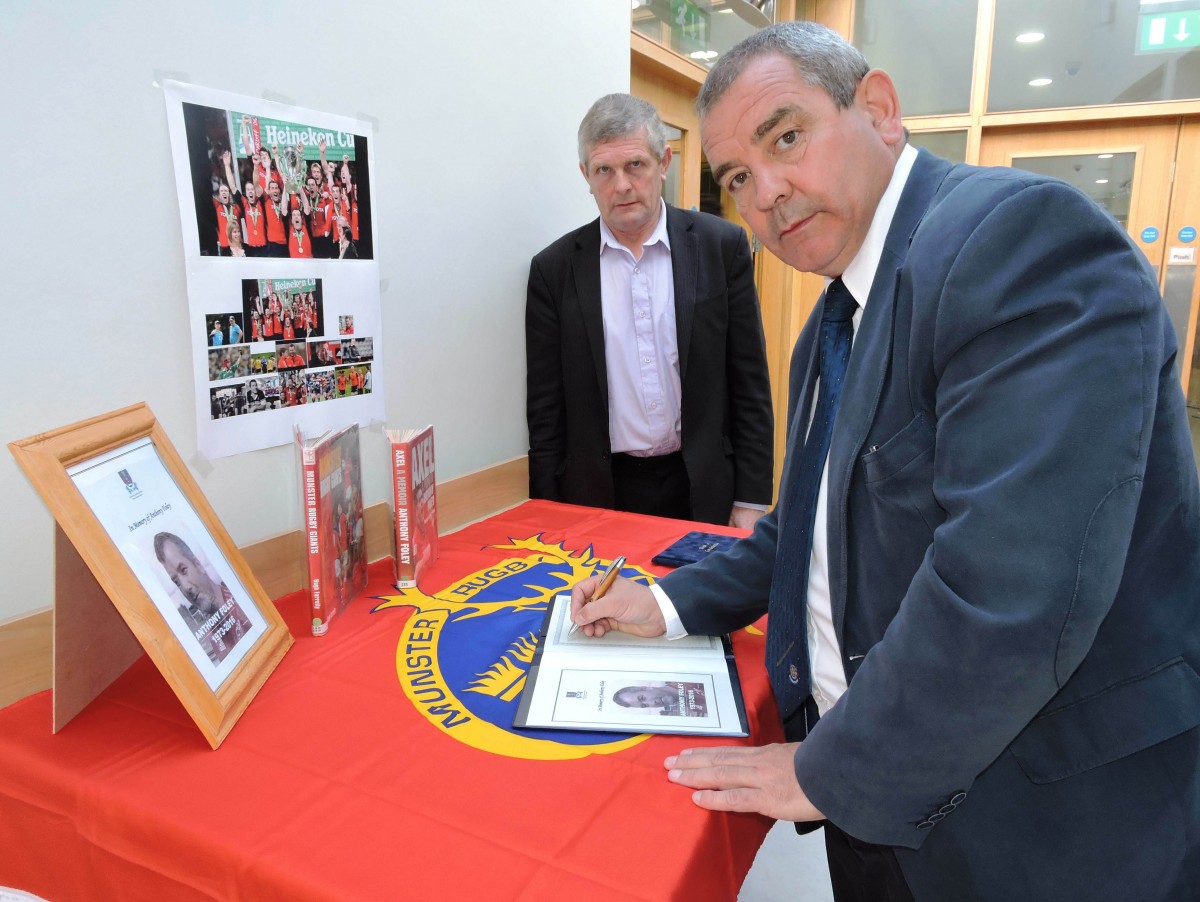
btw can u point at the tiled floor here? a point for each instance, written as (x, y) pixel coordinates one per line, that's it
(789, 867)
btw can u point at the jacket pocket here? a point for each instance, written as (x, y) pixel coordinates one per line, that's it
(1106, 727)
(899, 472)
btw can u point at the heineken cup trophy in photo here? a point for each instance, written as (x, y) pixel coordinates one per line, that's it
(291, 165)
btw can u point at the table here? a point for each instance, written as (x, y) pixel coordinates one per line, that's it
(377, 762)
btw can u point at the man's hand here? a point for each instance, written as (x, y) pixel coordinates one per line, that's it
(627, 607)
(736, 778)
(744, 517)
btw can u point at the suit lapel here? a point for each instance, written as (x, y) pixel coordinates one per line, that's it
(585, 266)
(869, 364)
(684, 260)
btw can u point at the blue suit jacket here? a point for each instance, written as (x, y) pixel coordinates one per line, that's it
(1014, 556)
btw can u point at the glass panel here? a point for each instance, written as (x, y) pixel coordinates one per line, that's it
(701, 30)
(1105, 178)
(925, 45)
(671, 186)
(1071, 53)
(950, 146)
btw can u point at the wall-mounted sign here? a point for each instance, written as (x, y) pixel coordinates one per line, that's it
(1168, 32)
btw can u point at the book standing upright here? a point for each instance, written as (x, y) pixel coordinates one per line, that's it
(331, 483)
(415, 498)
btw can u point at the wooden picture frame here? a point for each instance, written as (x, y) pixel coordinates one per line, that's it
(130, 510)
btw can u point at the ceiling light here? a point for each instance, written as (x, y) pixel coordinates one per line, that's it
(1105, 156)
(703, 55)
(1101, 181)
(1041, 82)
(634, 4)
(1030, 37)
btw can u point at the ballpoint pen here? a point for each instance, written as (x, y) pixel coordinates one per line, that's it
(606, 581)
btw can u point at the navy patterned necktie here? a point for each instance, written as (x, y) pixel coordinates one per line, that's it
(787, 632)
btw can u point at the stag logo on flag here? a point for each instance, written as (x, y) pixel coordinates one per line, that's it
(465, 650)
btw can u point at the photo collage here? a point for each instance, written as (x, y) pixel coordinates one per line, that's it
(283, 286)
(271, 351)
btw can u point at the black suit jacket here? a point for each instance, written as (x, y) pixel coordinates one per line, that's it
(726, 419)
(1014, 556)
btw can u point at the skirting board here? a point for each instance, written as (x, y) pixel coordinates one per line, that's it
(280, 565)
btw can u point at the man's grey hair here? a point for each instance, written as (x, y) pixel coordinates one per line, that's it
(822, 57)
(616, 116)
(163, 538)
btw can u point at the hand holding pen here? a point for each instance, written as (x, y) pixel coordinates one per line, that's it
(606, 581)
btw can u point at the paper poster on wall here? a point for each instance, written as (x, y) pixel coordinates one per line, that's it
(283, 289)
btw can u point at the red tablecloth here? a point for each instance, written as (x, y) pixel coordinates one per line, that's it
(378, 761)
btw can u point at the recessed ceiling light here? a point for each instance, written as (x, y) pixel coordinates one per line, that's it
(703, 55)
(1101, 181)
(634, 4)
(1030, 37)
(1105, 156)
(1041, 82)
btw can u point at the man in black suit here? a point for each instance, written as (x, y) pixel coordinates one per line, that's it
(984, 620)
(647, 375)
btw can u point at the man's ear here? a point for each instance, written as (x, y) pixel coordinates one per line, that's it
(583, 172)
(876, 95)
(666, 161)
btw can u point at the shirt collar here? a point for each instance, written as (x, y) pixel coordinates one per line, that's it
(860, 273)
(608, 239)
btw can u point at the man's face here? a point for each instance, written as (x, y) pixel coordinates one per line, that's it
(273, 188)
(312, 185)
(196, 585)
(297, 220)
(627, 179)
(649, 696)
(806, 176)
(249, 191)
(223, 194)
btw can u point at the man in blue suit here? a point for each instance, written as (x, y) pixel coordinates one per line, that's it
(988, 673)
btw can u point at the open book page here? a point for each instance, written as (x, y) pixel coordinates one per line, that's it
(629, 684)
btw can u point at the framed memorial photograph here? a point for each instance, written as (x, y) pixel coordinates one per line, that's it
(132, 512)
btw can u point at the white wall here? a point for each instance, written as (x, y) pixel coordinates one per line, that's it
(474, 171)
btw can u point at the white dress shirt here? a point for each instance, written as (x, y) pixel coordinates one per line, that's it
(641, 350)
(824, 652)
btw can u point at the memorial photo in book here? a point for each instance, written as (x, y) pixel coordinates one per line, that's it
(625, 683)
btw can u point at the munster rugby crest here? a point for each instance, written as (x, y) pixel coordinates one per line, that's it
(465, 650)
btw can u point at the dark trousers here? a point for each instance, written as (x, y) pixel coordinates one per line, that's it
(652, 485)
(861, 871)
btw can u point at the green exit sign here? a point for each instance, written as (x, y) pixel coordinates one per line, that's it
(1169, 31)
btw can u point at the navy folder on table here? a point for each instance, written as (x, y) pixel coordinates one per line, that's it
(695, 546)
